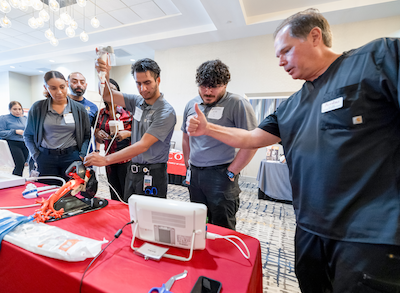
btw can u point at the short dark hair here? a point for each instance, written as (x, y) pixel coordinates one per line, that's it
(115, 83)
(76, 72)
(13, 103)
(212, 73)
(146, 64)
(301, 24)
(53, 74)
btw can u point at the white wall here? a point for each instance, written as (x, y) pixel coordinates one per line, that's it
(4, 93)
(122, 75)
(20, 89)
(36, 88)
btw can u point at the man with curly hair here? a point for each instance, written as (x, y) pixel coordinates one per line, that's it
(214, 166)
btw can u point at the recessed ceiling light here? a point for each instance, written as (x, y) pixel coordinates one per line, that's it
(12, 66)
(51, 60)
(132, 60)
(41, 71)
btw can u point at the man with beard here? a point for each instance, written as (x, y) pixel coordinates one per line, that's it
(77, 87)
(152, 128)
(214, 166)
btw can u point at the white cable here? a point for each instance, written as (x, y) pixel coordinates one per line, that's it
(98, 114)
(213, 236)
(115, 192)
(20, 207)
(47, 191)
(46, 177)
(112, 107)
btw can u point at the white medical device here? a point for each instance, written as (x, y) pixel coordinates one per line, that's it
(168, 222)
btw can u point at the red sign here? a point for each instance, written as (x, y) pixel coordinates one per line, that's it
(176, 164)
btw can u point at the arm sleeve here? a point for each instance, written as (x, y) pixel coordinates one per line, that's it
(244, 116)
(29, 133)
(4, 132)
(86, 133)
(270, 124)
(94, 119)
(164, 121)
(390, 71)
(183, 127)
(130, 102)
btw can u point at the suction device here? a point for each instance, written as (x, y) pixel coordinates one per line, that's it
(106, 53)
(64, 203)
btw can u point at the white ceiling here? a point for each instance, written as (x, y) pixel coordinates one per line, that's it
(136, 28)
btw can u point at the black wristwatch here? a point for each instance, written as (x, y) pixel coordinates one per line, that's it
(230, 174)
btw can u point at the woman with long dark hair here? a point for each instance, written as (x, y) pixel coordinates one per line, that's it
(58, 128)
(11, 129)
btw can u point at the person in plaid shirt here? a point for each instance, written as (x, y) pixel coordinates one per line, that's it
(116, 173)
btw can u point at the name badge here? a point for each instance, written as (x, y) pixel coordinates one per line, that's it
(332, 105)
(216, 113)
(68, 118)
(147, 181)
(138, 114)
(188, 174)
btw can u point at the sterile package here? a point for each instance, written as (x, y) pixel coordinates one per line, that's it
(52, 241)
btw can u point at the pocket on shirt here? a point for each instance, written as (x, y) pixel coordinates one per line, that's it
(351, 115)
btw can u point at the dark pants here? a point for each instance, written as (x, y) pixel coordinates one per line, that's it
(20, 154)
(116, 175)
(212, 187)
(50, 164)
(324, 265)
(135, 181)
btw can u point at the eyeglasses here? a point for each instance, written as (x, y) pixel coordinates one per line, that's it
(214, 87)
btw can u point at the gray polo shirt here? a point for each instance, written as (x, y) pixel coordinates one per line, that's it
(57, 132)
(158, 120)
(231, 111)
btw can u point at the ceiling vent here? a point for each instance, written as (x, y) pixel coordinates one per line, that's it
(62, 3)
(121, 53)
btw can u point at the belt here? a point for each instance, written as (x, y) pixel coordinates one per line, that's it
(144, 168)
(211, 167)
(59, 152)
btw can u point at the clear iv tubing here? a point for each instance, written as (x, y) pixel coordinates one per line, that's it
(97, 118)
(46, 177)
(101, 77)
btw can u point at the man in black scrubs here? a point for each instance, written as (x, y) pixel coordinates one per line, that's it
(341, 136)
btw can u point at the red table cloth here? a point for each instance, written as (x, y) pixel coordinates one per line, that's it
(118, 269)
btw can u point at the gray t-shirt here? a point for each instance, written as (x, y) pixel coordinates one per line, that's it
(59, 129)
(231, 111)
(158, 120)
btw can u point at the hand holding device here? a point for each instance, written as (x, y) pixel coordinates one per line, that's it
(107, 57)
